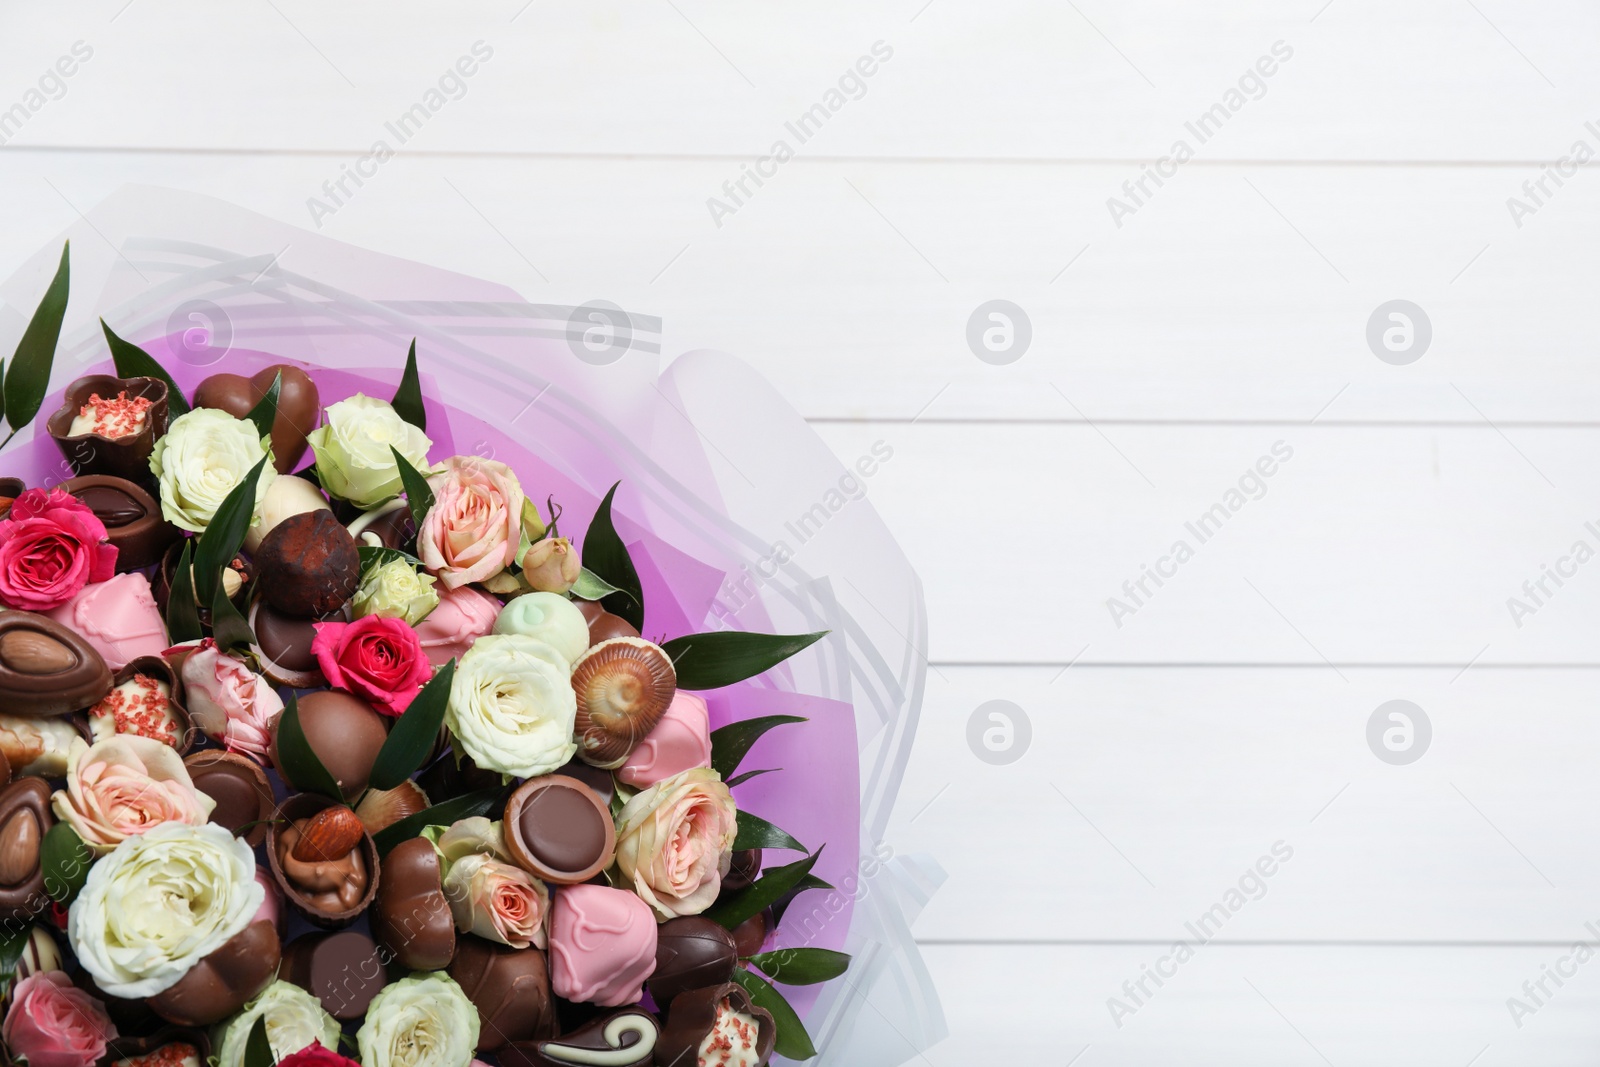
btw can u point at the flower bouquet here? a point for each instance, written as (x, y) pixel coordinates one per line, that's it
(348, 713)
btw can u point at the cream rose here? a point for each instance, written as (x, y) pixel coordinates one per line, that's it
(489, 894)
(473, 529)
(512, 706)
(123, 786)
(421, 1021)
(203, 455)
(352, 446)
(551, 565)
(161, 902)
(396, 590)
(294, 1017)
(675, 841)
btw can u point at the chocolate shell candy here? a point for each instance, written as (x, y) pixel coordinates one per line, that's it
(121, 457)
(624, 686)
(510, 987)
(24, 819)
(559, 829)
(364, 871)
(121, 1050)
(298, 405)
(240, 788)
(691, 953)
(411, 917)
(345, 733)
(46, 669)
(222, 982)
(602, 1041)
(693, 1016)
(309, 565)
(343, 970)
(283, 644)
(167, 721)
(131, 516)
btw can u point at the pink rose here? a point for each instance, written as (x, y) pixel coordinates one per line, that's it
(378, 659)
(314, 1055)
(51, 546)
(472, 531)
(675, 842)
(120, 787)
(55, 1024)
(497, 901)
(229, 702)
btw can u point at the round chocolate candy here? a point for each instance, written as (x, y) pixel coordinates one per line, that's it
(603, 625)
(47, 669)
(510, 987)
(743, 871)
(131, 516)
(717, 1017)
(309, 565)
(240, 788)
(283, 643)
(750, 935)
(345, 733)
(411, 917)
(691, 952)
(222, 982)
(559, 829)
(343, 970)
(627, 1038)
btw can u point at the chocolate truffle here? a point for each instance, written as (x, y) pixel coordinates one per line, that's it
(691, 952)
(559, 829)
(411, 917)
(602, 945)
(109, 425)
(343, 970)
(219, 984)
(330, 891)
(510, 987)
(345, 733)
(600, 1041)
(309, 565)
(239, 787)
(131, 516)
(24, 819)
(118, 618)
(283, 644)
(718, 1024)
(47, 669)
(298, 405)
(285, 496)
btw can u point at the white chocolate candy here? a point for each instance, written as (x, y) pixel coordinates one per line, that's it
(637, 1026)
(732, 1041)
(37, 746)
(551, 618)
(285, 497)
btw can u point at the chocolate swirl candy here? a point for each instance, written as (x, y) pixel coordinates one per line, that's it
(626, 1038)
(46, 669)
(131, 516)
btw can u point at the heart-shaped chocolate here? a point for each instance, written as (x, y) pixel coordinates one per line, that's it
(298, 405)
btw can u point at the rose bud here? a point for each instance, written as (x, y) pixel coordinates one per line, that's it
(551, 565)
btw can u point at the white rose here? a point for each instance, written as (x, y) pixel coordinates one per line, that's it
(396, 590)
(421, 1021)
(161, 902)
(204, 454)
(352, 447)
(512, 706)
(294, 1017)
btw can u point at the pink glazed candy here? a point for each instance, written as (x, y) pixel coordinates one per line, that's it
(681, 740)
(602, 945)
(464, 614)
(119, 618)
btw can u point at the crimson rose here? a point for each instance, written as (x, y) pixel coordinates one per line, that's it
(378, 659)
(51, 546)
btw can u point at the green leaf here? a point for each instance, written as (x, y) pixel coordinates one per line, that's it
(266, 409)
(793, 1041)
(183, 615)
(258, 1048)
(465, 806)
(419, 498)
(756, 832)
(134, 362)
(65, 860)
(415, 733)
(802, 966)
(297, 761)
(731, 742)
(407, 402)
(606, 555)
(228, 627)
(13, 940)
(713, 660)
(754, 898)
(590, 586)
(375, 556)
(740, 779)
(28, 377)
(225, 533)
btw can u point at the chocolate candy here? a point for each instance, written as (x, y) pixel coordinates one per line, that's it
(411, 917)
(329, 893)
(170, 1046)
(600, 1042)
(387, 527)
(309, 565)
(559, 829)
(285, 496)
(283, 644)
(240, 788)
(382, 808)
(691, 953)
(38, 746)
(126, 456)
(236, 580)
(298, 405)
(718, 1024)
(343, 970)
(131, 516)
(750, 935)
(24, 819)
(743, 870)
(219, 984)
(510, 988)
(604, 785)
(10, 489)
(46, 669)
(146, 699)
(345, 733)
(603, 625)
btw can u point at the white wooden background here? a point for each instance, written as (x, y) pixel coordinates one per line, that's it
(1226, 315)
